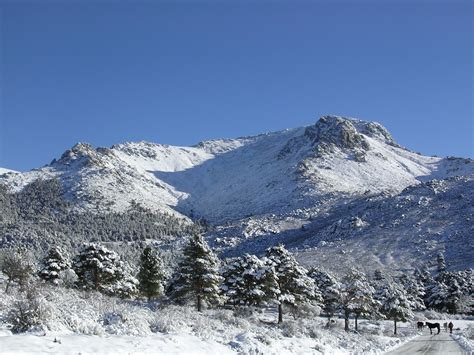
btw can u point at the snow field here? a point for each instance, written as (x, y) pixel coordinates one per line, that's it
(93, 323)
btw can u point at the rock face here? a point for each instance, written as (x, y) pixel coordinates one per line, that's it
(252, 187)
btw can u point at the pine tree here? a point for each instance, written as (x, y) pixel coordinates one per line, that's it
(394, 303)
(197, 275)
(150, 275)
(451, 292)
(423, 276)
(441, 262)
(357, 297)
(330, 290)
(55, 261)
(378, 275)
(414, 291)
(249, 281)
(295, 286)
(436, 295)
(18, 265)
(98, 268)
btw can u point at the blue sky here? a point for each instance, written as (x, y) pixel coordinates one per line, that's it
(106, 72)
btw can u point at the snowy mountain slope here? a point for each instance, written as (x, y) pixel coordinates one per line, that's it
(228, 179)
(4, 171)
(396, 231)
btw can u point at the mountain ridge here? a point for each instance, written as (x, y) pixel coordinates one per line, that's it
(227, 179)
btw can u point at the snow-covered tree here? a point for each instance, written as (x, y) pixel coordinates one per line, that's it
(18, 265)
(98, 268)
(55, 262)
(465, 279)
(441, 262)
(330, 290)
(436, 295)
(125, 287)
(248, 281)
(197, 275)
(423, 276)
(394, 302)
(295, 286)
(451, 292)
(150, 275)
(415, 291)
(357, 297)
(378, 275)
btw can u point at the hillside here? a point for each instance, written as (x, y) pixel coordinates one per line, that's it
(338, 189)
(224, 180)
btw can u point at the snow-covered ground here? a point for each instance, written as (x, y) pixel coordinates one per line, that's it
(230, 339)
(70, 343)
(93, 323)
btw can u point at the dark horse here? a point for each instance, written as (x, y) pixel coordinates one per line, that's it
(420, 325)
(433, 325)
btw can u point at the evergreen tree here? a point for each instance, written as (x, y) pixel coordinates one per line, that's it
(394, 303)
(455, 296)
(465, 281)
(441, 263)
(249, 281)
(436, 295)
(449, 292)
(18, 265)
(414, 291)
(357, 297)
(330, 290)
(197, 275)
(98, 268)
(295, 286)
(423, 276)
(124, 287)
(378, 275)
(55, 261)
(150, 275)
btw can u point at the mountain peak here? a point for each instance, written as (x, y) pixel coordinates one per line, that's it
(81, 153)
(346, 133)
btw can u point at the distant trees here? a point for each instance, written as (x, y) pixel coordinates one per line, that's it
(39, 216)
(197, 275)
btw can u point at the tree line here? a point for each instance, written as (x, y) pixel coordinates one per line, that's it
(275, 279)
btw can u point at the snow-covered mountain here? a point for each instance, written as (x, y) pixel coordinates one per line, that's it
(339, 191)
(396, 231)
(230, 179)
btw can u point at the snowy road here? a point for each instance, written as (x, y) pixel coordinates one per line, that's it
(427, 344)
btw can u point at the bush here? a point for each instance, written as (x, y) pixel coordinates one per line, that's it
(30, 311)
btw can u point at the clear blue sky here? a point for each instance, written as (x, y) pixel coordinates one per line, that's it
(106, 72)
